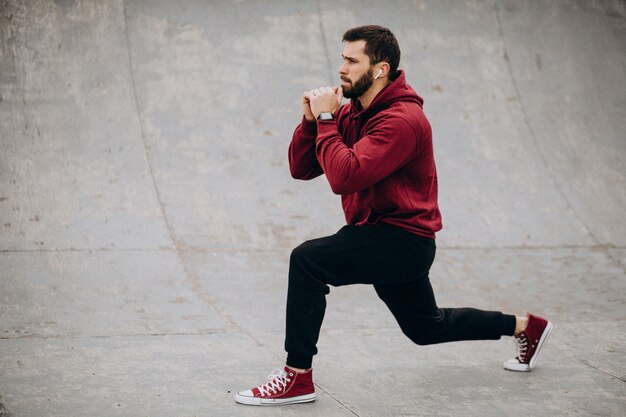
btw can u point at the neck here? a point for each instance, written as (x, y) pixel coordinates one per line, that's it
(369, 96)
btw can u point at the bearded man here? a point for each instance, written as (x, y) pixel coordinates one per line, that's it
(376, 152)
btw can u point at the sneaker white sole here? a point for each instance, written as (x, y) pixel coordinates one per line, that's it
(514, 365)
(249, 400)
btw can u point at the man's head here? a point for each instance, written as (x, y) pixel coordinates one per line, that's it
(370, 52)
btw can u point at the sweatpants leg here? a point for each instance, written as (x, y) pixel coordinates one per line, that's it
(414, 307)
(397, 263)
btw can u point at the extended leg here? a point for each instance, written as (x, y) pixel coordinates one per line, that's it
(414, 307)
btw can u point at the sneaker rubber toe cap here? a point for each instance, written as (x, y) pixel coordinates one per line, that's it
(246, 397)
(515, 365)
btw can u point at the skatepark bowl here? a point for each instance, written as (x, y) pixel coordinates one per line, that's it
(147, 213)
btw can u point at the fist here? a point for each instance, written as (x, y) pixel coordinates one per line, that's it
(323, 99)
(306, 107)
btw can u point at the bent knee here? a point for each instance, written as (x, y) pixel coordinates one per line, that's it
(304, 269)
(306, 255)
(420, 338)
(304, 250)
(424, 332)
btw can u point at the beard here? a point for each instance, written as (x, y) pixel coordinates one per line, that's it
(360, 86)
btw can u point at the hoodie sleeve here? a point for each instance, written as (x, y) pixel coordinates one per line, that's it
(303, 162)
(388, 145)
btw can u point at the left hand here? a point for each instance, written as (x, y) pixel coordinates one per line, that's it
(325, 99)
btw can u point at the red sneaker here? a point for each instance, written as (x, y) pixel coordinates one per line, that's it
(529, 343)
(283, 387)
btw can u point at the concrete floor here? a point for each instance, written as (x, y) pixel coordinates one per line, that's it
(147, 213)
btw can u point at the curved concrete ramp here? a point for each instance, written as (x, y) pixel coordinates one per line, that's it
(147, 212)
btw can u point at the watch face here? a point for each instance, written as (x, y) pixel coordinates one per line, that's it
(326, 116)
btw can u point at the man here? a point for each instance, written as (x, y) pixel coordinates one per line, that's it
(376, 152)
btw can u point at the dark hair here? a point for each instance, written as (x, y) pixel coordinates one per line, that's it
(380, 45)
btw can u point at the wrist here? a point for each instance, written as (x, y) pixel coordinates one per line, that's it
(326, 115)
(317, 113)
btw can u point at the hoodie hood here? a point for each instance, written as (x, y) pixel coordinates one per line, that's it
(398, 90)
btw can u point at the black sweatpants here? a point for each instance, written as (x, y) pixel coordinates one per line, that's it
(396, 262)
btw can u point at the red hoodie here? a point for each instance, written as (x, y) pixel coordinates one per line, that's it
(380, 159)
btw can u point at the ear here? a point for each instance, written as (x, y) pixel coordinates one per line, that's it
(384, 66)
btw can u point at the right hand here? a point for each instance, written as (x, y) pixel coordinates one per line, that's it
(306, 107)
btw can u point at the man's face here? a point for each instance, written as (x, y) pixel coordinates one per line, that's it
(357, 75)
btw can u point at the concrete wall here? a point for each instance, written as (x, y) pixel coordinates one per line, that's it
(147, 212)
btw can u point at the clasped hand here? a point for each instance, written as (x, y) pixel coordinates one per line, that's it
(323, 99)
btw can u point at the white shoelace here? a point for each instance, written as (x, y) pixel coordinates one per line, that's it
(277, 381)
(522, 347)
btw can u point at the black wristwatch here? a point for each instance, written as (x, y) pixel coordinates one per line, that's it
(325, 115)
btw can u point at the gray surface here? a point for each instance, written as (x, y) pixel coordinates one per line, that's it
(147, 213)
